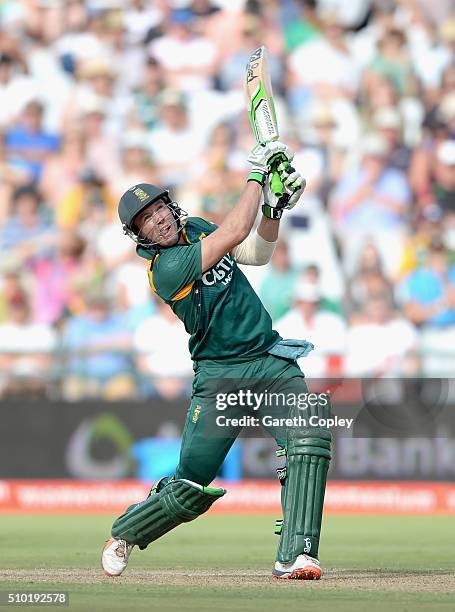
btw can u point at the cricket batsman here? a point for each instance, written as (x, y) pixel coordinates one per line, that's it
(192, 266)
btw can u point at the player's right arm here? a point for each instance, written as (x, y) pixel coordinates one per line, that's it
(239, 221)
(235, 227)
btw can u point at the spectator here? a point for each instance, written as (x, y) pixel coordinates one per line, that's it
(312, 274)
(100, 146)
(232, 71)
(128, 59)
(99, 82)
(446, 108)
(428, 293)
(444, 175)
(387, 122)
(88, 196)
(187, 58)
(380, 342)
(322, 68)
(215, 181)
(63, 169)
(26, 350)
(141, 19)
(136, 165)
(27, 231)
(421, 171)
(371, 201)
(10, 179)
(428, 47)
(305, 29)
(447, 35)
(174, 144)
(131, 289)
(15, 86)
(169, 372)
(11, 289)
(428, 226)
(203, 8)
(145, 97)
(59, 279)
(322, 157)
(76, 43)
(381, 93)
(96, 346)
(393, 62)
(326, 330)
(277, 287)
(28, 144)
(369, 280)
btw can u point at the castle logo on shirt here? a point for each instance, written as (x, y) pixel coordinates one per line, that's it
(220, 273)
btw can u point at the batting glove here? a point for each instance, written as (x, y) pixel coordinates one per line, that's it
(294, 185)
(262, 157)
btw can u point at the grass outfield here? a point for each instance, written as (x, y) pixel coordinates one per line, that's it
(223, 563)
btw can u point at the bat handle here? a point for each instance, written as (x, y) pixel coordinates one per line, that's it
(276, 184)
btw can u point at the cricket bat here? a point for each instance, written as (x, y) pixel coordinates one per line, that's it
(261, 110)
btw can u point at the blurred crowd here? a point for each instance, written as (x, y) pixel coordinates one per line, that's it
(98, 95)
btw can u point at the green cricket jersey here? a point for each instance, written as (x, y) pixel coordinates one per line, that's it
(219, 308)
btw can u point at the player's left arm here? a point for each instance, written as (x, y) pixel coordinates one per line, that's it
(257, 249)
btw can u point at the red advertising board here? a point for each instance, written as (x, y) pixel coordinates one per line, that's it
(73, 496)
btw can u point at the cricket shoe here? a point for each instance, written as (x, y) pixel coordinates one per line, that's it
(303, 568)
(115, 556)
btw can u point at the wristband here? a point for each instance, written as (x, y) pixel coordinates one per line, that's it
(259, 177)
(271, 213)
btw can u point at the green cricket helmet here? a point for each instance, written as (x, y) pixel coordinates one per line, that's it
(138, 197)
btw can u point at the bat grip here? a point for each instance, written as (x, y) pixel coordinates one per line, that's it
(276, 184)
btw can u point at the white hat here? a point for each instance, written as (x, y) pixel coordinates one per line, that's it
(387, 118)
(322, 114)
(96, 66)
(171, 97)
(307, 292)
(135, 139)
(92, 103)
(446, 152)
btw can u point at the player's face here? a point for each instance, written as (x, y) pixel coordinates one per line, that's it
(157, 224)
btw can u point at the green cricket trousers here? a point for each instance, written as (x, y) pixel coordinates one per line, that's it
(204, 444)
